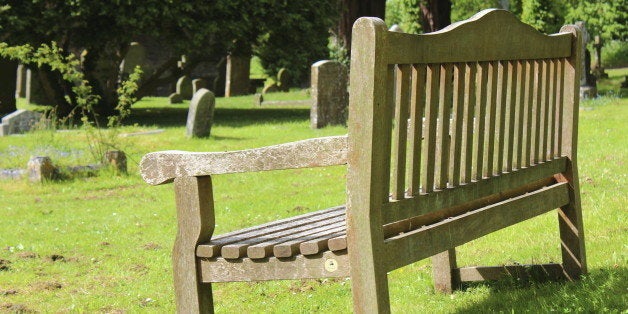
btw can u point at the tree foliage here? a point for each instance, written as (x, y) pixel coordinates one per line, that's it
(100, 31)
(545, 15)
(609, 19)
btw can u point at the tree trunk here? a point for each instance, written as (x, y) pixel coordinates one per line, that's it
(101, 68)
(436, 14)
(8, 74)
(351, 11)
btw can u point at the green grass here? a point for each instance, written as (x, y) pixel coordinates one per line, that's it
(115, 233)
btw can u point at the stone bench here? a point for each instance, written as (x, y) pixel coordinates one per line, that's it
(452, 135)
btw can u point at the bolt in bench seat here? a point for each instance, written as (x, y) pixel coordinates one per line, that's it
(452, 135)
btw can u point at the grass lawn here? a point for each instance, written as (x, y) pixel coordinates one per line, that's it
(102, 243)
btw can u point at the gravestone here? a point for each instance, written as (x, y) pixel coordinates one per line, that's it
(20, 82)
(135, 55)
(272, 88)
(35, 93)
(116, 159)
(598, 70)
(175, 98)
(40, 169)
(197, 84)
(8, 70)
(283, 80)
(19, 121)
(330, 99)
(184, 87)
(258, 99)
(237, 75)
(201, 114)
(588, 87)
(396, 28)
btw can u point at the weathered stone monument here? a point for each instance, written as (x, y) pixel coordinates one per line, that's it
(598, 70)
(396, 28)
(237, 75)
(35, 93)
(197, 84)
(330, 99)
(175, 98)
(8, 70)
(135, 56)
(116, 159)
(283, 80)
(184, 87)
(201, 114)
(40, 169)
(19, 121)
(20, 81)
(588, 88)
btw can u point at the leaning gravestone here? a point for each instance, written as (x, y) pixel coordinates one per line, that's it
(175, 98)
(201, 114)
(283, 80)
(184, 87)
(8, 70)
(588, 88)
(330, 98)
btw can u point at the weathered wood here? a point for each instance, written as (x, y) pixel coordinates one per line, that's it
(480, 38)
(443, 265)
(480, 121)
(431, 116)
(163, 167)
(511, 127)
(401, 130)
(469, 104)
(370, 117)
(444, 115)
(458, 117)
(537, 273)
(401, 250)
(424, 204)
(297, 267)
(195, 217)
(489, 135)
(290, 248)
(415, 140)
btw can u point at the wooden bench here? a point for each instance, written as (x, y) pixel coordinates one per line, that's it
(476, 127)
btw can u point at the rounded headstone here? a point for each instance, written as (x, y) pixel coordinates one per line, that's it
(40, 169)
(175, 98)
(201, 114)
(184, 87)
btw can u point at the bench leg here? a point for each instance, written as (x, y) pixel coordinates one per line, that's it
(192, 295)
(370, 290)
(195, 219)
(443, 266)
(572, 231)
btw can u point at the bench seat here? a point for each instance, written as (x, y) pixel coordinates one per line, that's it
(307, 234)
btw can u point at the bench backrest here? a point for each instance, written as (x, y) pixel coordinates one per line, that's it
(455, 116)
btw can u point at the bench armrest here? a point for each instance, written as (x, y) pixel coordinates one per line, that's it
(162, 167)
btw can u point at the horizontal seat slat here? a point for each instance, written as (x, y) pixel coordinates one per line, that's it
(263, 249)
(315, 246)
(289, 248)
(213, 248)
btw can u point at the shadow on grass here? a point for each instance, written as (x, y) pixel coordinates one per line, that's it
(602, 290)
(177, 116)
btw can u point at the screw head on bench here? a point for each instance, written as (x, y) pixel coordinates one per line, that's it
(331, 265)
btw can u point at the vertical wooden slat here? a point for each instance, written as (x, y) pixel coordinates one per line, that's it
(538, 110)
(402, 94)
(512, 105)
(502, 108)
(559, 109)
(431, 114)
(544, 126)
(444, 113)
(489, 133)
(480, 120)
(528, 104)
(417, 106)
(521, 113)
(551, 131)
(457, 120)
(469, 105)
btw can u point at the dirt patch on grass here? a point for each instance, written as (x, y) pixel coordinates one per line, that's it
(151, 246)
(56, 258)
(27, 254)
(4, 265)
(8, 292)
(47, 285)
(15, 308)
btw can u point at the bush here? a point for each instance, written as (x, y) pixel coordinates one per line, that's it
(615, 54)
